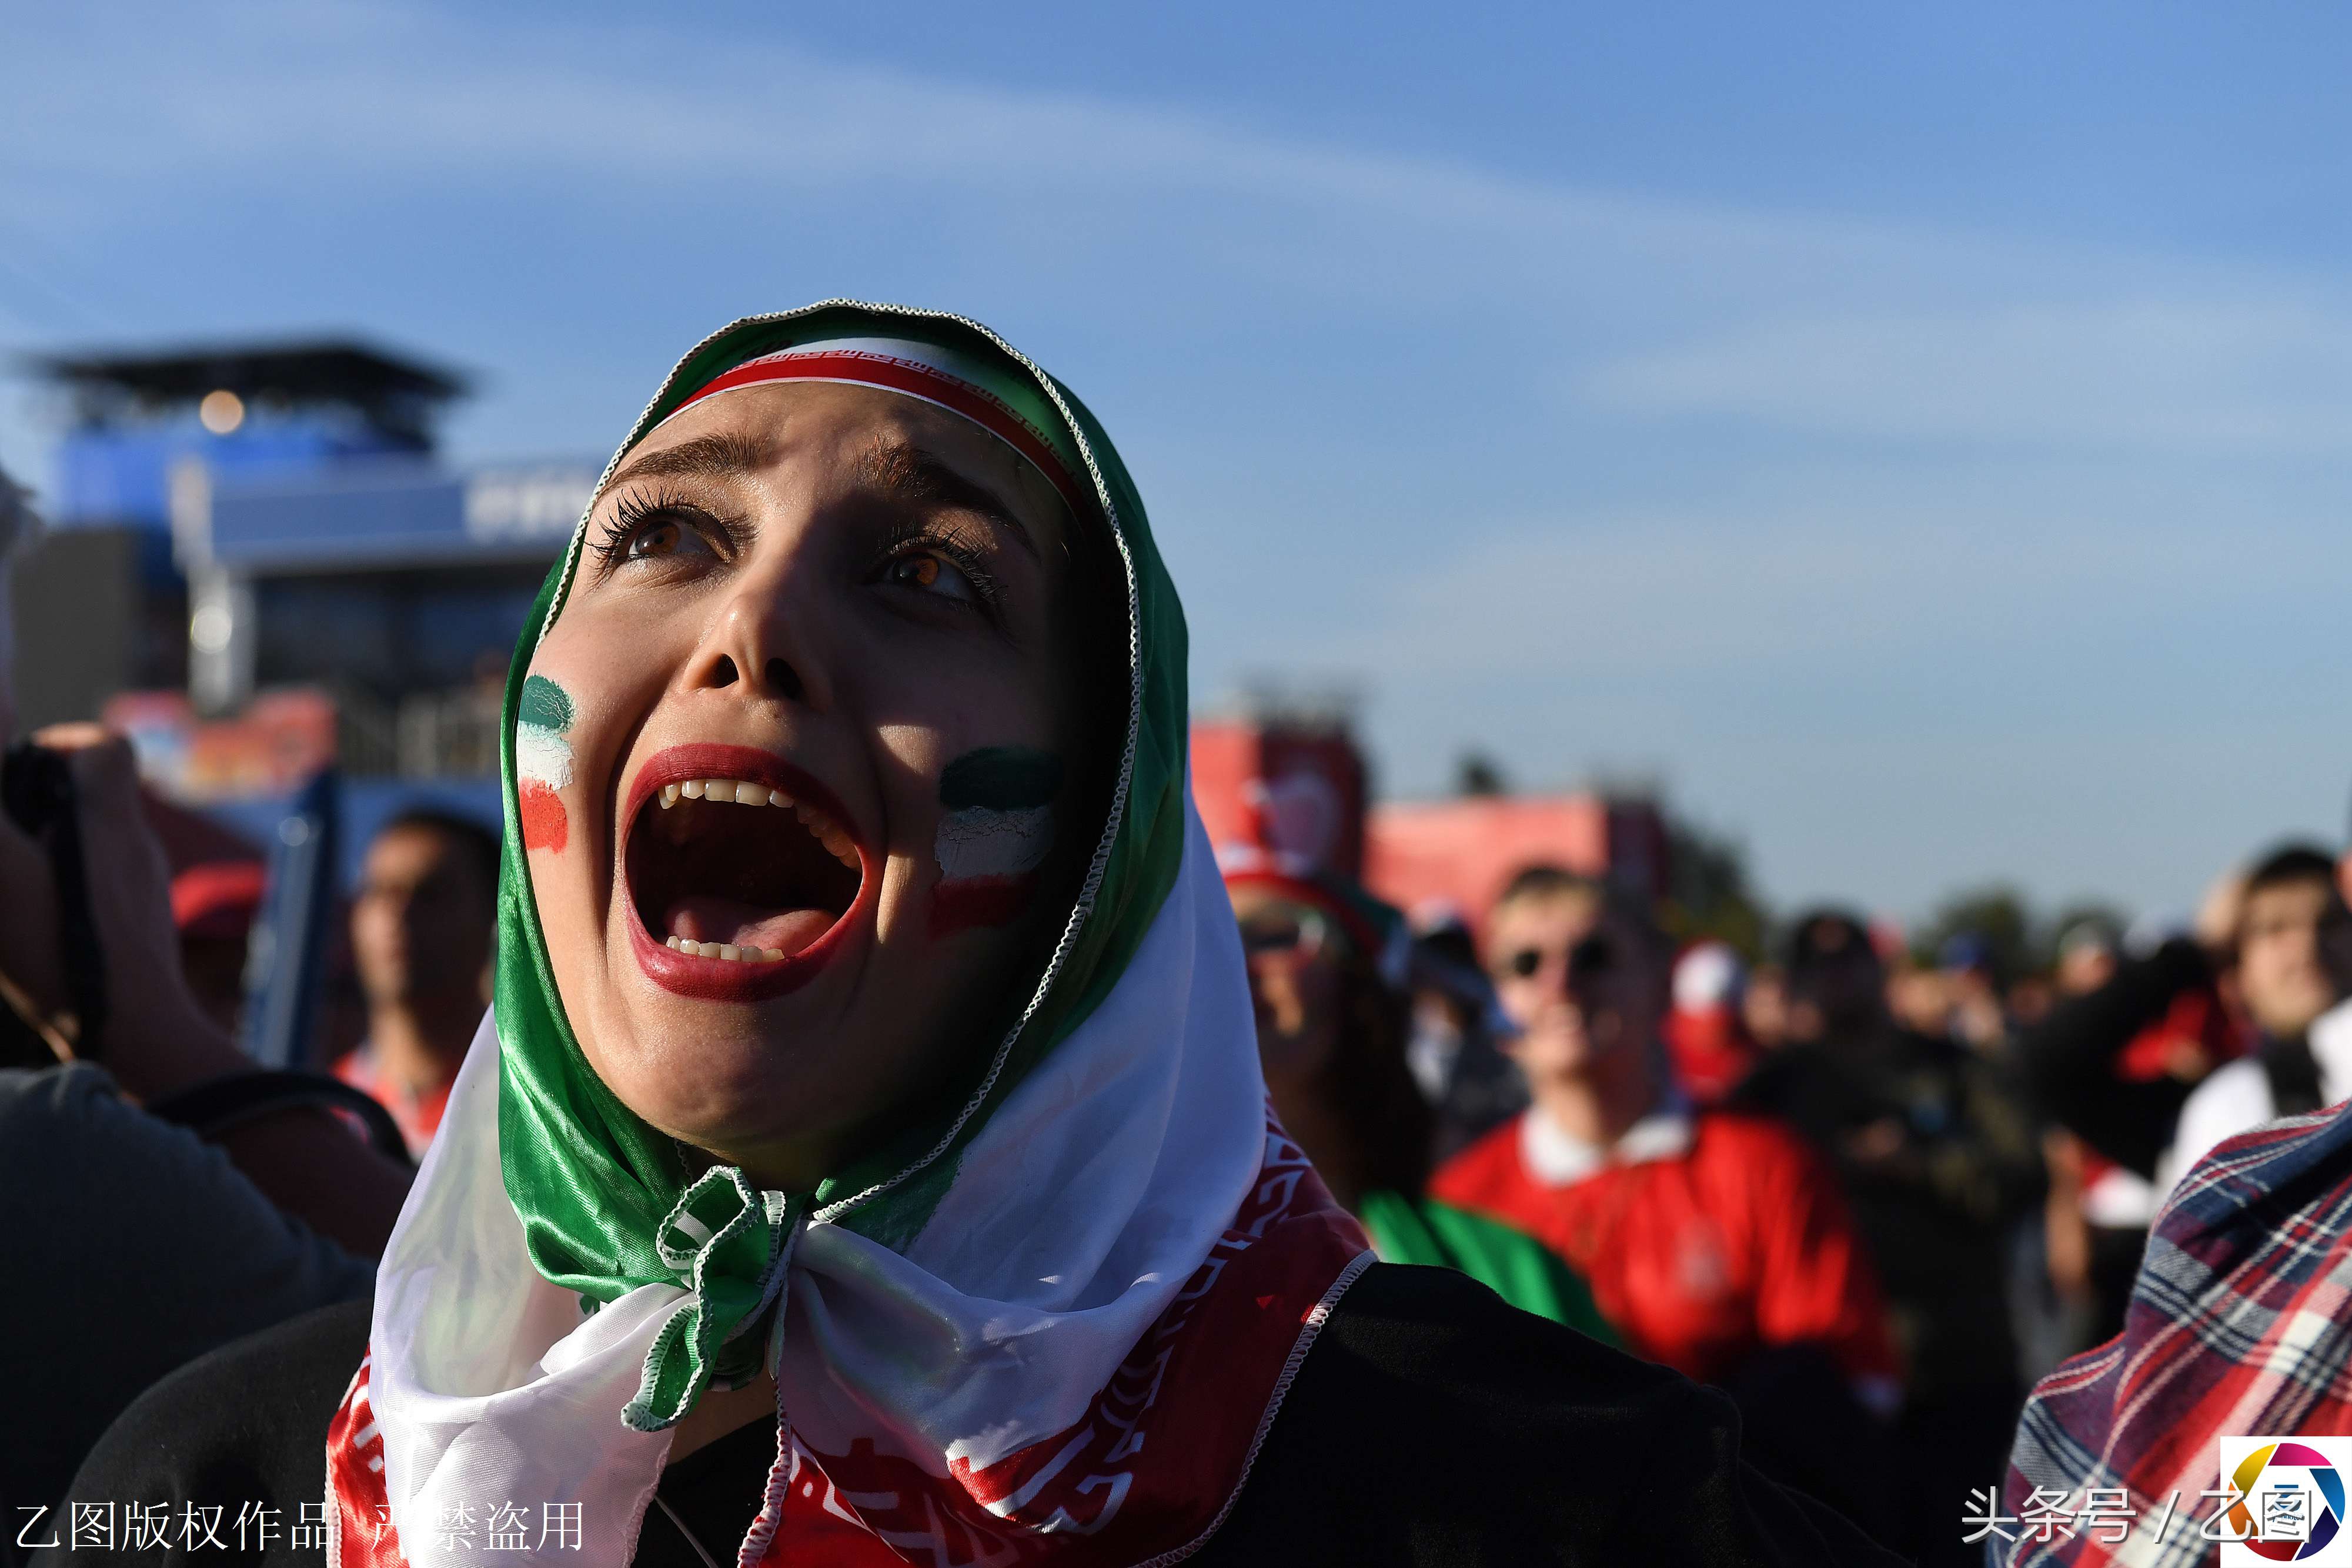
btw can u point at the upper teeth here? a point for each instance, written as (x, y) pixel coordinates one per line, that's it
(743, 792)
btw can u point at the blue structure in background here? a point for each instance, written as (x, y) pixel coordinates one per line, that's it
(288, 407)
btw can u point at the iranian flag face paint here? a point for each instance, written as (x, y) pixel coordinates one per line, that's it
(543, 762)
(996, 834)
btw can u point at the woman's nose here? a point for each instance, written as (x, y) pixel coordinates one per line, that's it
(777, 676)
(767, 641)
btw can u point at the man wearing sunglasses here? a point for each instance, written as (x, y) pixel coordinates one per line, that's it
(1717, 1244)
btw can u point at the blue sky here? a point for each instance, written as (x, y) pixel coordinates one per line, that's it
(1918, 436)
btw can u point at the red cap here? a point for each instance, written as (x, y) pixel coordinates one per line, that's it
(217, 899)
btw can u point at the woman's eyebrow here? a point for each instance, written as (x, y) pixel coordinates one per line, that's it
(722, 455)
(915, 478)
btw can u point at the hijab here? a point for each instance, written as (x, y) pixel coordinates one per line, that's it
(1051, 1326)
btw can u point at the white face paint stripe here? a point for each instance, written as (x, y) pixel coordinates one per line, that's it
(980, 843)
(542, 755)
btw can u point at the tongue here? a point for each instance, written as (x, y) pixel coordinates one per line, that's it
(700, 918)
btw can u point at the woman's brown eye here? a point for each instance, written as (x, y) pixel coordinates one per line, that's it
(930, 574)
(666, 538)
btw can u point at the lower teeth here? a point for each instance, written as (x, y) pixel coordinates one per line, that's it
(725, 950)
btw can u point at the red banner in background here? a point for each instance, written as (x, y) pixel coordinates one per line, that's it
(1304, 790)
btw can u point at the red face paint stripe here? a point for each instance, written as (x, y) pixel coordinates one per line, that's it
(544, 825)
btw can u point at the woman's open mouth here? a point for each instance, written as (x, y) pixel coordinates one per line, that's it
(741, 872)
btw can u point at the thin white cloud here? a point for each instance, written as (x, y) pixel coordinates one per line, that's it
(2203, 374)
(269, 94)
(336, 100)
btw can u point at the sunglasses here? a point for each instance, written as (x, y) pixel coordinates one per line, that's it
(1589, 959)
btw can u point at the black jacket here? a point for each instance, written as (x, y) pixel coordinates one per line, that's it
(2069, 1059)
(1936, 1207)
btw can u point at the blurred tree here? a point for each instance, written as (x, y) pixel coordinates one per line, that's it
(1997, 916)
(1708, 894)
(1478, 774)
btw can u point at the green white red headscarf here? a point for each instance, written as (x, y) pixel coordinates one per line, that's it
(1050, 1329)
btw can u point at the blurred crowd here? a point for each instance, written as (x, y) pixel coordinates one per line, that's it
(1873, 1194)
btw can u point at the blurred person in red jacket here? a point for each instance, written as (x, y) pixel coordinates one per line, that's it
(421, 934)
(1714, 1243)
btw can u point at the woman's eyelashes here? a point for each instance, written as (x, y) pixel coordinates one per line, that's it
(938, 566)
(663, 531)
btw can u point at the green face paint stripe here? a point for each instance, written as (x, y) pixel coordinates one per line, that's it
(1001, 778)
(544, 705)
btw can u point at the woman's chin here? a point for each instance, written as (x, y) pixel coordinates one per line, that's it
(723, 1092)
